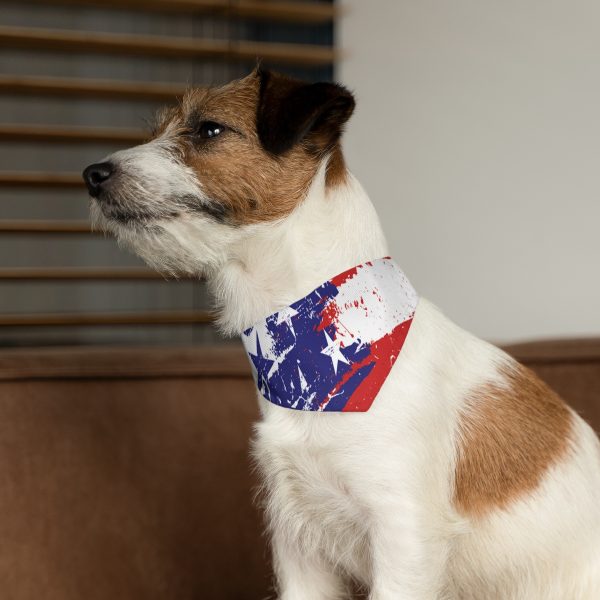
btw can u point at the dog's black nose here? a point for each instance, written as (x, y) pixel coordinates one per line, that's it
(96, 175)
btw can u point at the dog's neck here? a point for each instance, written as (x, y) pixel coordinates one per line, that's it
(334, 228)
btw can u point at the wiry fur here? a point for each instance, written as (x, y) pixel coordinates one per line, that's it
(371, 496)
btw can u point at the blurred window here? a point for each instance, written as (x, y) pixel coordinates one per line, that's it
(78, 80)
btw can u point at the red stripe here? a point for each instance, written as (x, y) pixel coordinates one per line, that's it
(384, 353)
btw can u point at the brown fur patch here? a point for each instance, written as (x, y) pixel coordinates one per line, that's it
(509, 438)
(336, 173)
(235, 171)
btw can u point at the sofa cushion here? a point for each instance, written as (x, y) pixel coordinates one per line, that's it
(125, 471)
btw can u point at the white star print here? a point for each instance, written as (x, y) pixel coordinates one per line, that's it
(285, 316)
(303, 384)
(263, 337)
(249, 340)
(333, 351)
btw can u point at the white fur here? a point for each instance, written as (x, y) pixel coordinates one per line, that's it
(369, 495)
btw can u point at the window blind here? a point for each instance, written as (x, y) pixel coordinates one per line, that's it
(80, 79)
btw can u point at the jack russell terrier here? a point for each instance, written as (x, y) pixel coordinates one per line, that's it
(397, 451)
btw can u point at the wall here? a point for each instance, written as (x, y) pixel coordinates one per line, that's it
(477, 135)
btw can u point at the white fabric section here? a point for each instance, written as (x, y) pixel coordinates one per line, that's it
(371, 304)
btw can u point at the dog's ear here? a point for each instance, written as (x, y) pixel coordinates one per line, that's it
(290, 111)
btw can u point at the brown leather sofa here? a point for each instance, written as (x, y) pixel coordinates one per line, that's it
(124, 472)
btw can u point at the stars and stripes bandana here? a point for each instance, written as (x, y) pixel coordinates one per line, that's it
(333, 349)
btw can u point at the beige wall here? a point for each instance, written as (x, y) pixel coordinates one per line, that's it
(477, 135)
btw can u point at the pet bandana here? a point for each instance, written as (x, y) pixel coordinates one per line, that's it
(333, 349)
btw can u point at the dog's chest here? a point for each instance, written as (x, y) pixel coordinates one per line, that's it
(309, 496)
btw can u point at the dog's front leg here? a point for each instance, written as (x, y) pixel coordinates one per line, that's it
(301, 577)
(408, 561)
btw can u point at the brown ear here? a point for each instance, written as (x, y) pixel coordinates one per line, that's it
(290, 111)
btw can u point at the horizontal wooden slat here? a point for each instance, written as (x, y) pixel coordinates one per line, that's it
(294, 12)
(117, 362)
(89, 88)
(39, 226)
(37, 179)
(180, 317)
(143, 45)
(290, 54)
(65, 134)
(79, 274)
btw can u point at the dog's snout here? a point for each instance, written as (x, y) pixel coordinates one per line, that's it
(96, 175)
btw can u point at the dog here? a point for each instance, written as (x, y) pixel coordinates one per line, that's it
(467, 478)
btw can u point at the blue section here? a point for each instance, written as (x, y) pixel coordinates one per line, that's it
(306, 376)
(339, 401)
(263, 366)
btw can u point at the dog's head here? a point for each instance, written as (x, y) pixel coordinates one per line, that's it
(222, 161)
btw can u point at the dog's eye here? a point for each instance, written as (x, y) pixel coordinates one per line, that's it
(209, 129)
